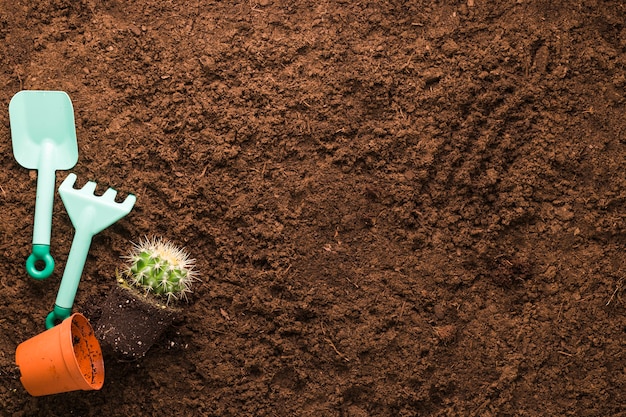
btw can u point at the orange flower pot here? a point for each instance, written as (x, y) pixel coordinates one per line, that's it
(64, 358)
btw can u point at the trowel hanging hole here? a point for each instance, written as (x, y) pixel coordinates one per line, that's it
(40, 263)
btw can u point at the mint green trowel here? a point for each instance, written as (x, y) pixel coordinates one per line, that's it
(44, 138)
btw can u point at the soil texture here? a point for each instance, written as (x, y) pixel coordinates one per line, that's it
(398, 208)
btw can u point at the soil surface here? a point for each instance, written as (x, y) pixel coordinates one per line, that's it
(398, 208)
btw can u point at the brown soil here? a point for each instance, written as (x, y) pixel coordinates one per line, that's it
(128, 323)
(398, 208)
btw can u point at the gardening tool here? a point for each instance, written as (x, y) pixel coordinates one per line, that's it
(90, 214)
(44, 138)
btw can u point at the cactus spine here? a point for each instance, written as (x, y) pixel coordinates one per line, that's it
(160, 268)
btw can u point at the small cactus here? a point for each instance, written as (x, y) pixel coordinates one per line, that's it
(160, 268)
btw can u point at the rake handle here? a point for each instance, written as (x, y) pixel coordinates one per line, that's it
(72, 273)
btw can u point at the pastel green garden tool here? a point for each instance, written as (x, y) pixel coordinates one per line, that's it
(90, 214)
(44, 138)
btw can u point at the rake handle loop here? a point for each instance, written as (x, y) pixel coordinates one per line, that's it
(40, 253)
(57, 315)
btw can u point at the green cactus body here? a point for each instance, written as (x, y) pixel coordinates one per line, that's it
(160, 268)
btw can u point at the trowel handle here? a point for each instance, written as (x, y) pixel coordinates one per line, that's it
(71, 277)
(43, 224)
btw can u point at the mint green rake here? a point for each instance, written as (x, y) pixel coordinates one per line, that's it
(90, 214)
(44, 138)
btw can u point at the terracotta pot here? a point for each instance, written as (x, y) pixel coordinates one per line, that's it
(64, 358)
(131, 323)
